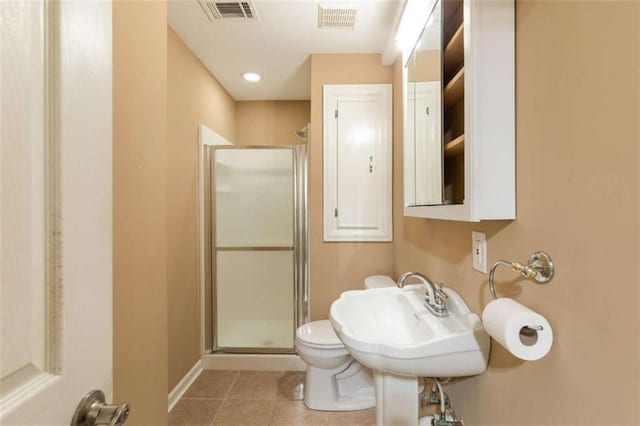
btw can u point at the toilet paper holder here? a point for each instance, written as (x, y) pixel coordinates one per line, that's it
(540, 268)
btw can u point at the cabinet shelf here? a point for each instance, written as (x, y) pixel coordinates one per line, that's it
(454, 147)
(454, 90)
(452, 17)
(454, 51)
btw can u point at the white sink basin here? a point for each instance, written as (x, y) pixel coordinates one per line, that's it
(390, 331)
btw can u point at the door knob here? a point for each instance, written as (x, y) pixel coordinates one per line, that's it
(93, 411)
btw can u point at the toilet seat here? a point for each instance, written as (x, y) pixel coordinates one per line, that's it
(319, 335)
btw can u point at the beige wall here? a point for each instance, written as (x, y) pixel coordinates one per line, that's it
(577, 170)
(194, 96)
(140, 176)
(336, 267)
(270, 122)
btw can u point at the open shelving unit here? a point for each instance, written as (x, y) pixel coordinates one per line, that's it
(453, 100)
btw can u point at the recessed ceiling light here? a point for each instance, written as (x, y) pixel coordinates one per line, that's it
(251, 76)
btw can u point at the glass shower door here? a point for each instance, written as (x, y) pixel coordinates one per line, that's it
(253, 252)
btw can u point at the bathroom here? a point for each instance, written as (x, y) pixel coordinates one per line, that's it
(148, 84)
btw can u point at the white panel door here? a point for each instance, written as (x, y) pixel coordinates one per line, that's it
(55, 208)
(357, 188)
(357, 162)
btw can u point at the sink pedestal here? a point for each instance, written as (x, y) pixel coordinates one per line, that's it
(396, 399)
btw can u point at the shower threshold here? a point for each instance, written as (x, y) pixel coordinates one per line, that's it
(253, 362)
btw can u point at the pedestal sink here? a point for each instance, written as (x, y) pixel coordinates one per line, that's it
(390, 331)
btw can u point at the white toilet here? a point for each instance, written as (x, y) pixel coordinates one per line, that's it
(334, 381)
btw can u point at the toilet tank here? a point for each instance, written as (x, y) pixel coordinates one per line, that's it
(378, 281)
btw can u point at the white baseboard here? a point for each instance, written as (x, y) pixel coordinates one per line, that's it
(255, 362)
(182, 386)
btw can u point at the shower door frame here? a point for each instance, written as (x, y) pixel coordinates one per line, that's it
(300, 248)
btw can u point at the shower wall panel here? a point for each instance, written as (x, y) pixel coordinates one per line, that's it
(255, 299)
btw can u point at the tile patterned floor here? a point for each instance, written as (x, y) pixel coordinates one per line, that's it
(261, 398)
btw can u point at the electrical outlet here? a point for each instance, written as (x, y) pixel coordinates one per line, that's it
(479, 251)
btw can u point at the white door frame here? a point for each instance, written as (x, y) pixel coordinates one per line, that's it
(206, 137)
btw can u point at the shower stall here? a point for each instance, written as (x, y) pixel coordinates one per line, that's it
(256, 247)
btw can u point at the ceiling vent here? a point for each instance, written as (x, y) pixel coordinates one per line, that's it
(340, 18)
(228, 10)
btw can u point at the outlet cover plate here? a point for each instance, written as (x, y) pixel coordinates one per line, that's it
(479, 251)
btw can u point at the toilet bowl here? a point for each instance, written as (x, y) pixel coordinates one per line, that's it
(334, 381)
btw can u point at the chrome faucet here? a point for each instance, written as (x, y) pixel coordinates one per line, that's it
(435, 297)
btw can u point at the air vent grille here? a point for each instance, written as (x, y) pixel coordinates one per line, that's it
(336, 18)
(247, 9)
(228, 10)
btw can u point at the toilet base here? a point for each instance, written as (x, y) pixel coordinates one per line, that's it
(346, 388)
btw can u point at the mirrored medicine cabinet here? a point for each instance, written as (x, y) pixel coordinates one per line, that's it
(459, 126)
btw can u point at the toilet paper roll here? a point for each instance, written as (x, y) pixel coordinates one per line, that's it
(506, 321)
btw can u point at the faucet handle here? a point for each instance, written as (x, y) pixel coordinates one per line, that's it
(441, 293)
(435, 301)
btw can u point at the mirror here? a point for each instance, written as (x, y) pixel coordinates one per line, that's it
(424, 117)
(434, 125)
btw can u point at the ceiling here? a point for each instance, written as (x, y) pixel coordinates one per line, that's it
(277, 45)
